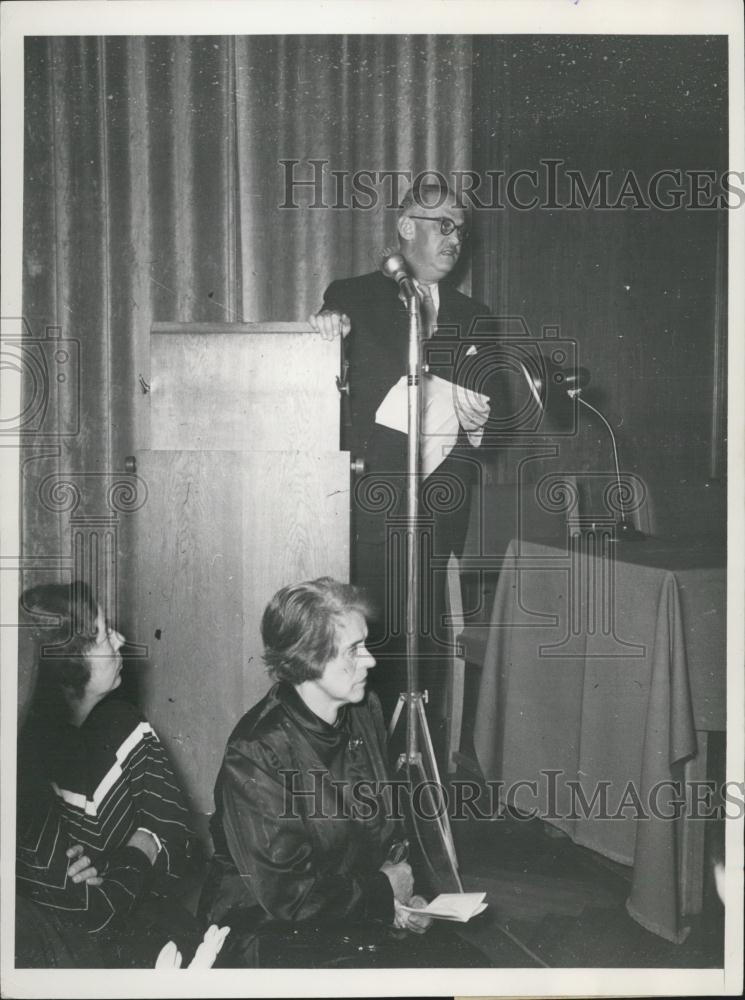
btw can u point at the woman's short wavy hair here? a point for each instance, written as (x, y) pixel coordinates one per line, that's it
(299, 626)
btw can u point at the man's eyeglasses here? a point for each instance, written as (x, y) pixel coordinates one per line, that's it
(447, 226)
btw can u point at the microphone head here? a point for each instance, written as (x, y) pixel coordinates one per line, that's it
(575, 379)
(394, 266)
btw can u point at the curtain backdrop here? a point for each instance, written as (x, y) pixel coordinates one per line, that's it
(154, 186)
(152, 192)
(359, 103)
(129, 217)
(639, 294)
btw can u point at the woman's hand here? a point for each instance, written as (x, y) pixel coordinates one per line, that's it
(80, 868)
(416, 922)
(401, 878)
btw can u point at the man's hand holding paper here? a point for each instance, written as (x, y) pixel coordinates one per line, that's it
(472, 409)
(446, 407)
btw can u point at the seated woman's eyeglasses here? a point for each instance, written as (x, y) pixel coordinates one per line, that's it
(447, 226)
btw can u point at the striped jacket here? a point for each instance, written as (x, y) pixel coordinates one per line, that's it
(103, 781)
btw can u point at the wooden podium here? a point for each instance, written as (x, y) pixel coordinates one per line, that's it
(247, 492)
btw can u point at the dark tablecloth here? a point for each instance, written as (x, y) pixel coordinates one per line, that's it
(586, 681)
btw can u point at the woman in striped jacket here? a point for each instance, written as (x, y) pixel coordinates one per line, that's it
(103, 833)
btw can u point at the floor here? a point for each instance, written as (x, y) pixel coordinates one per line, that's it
(553, 904)
(559, 905)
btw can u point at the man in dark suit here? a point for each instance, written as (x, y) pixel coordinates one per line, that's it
(371, 316)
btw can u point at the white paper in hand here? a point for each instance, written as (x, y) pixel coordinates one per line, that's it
(459, 906)
(443, 407)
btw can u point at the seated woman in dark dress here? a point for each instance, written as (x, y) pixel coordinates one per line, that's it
(103, 832)
(302, 876)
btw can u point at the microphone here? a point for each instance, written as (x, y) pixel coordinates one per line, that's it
(574, 381)
(394, 266)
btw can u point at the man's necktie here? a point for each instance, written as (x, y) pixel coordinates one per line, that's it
(428, 311)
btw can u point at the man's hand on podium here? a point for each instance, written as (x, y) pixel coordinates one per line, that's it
(330, 323)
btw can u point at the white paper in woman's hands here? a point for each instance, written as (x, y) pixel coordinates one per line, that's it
(460, 906)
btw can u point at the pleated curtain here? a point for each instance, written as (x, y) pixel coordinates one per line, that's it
(129, 208)
(351, 103)
(153, 189)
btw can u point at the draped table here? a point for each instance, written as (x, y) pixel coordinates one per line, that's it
(604, 669)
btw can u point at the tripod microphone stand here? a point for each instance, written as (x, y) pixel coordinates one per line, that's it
(419, 756)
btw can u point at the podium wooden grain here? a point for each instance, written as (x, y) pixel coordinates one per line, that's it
(247, 491)
(252, 387)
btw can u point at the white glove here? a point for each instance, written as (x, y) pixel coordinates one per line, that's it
(169, 957)
(205, 955)
(209, 949)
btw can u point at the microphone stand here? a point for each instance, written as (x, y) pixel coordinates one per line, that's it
(625, 528)
(420, 763)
